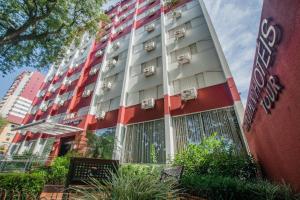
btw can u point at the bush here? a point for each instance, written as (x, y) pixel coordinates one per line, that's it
(218, 187)
(132, 182)
(216, 157)
(30, 184)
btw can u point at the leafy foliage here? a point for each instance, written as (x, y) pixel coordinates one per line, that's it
(33, 33)
(30, 184)
(216, 157)
(3, 123)
(219, 188)
(100, 146)
(132, 183)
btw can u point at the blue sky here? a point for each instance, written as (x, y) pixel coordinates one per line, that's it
(236, 23)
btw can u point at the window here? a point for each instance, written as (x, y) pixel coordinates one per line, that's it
(191, 129)
(143, 140)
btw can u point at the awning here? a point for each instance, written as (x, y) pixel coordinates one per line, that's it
(48, 127)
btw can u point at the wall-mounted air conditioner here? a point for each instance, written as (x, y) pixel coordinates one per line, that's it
(149, 46)
(176, 14)
(189, 94)
(123, 17)
(107, 85)
(61, 102)
(86, 93)
(125, 7)
(111, 63)
(104, 38)
(184, 59)
(41, 93)
(148, 103)
(150, 1)
(93, 71)
(100, 115)
(49, 79)
(150, 27)
(151, 12)
(68, 82)
(99, 53)
(116, 45)
(179, 34)
(43, 108)
(119, 30)
(60, 73)
(148, 71)
(52, 89)
(107, 26)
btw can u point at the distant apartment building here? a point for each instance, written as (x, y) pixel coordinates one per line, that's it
(156, 81)
(17, 101)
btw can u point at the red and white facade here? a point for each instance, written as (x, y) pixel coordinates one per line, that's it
(17, 101)
(157, 79)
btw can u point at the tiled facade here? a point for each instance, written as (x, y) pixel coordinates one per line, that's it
(155, 70)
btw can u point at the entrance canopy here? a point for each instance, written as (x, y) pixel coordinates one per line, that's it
(48, 127)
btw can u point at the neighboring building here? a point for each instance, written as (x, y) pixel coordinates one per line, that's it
(157, 80)
(272, 115)
(17, 101)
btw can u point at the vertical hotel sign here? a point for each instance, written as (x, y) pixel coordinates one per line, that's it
(265, 88)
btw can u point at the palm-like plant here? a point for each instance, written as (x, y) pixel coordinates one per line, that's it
(129, 185)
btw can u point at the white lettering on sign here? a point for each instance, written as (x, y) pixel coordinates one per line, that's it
(265, 88)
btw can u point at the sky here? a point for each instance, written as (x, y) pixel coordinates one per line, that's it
(236, 23)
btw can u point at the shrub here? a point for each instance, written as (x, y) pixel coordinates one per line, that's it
(218, 187)
(30, 184)
(216, 157)
(132, 183)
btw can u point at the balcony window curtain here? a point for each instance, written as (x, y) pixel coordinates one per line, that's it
(145, 143)
(191, 129)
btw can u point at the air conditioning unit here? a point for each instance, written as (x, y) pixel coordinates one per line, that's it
(41, 93)
(107, 26)
(60, 73)
(93, 71)
(43, 108)
(123, 17)
(50, 78)
(104, 38)
(148, 71)
(52, 89)
(176, 14)
(150, 27)
(100, 115)
(107, 85)
(111, 63)
(150, 46)
(184, 59)
(68, 82)
(151, 12)
(113, 15)
(99, 53)
(189, 94)
(178, 34)
(119, 30)
(86, 93)
(150, 1)
(125, 7)
(148, 103)
(61, 102)
(116, 45)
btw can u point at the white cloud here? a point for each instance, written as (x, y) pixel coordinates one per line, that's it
(236, 23)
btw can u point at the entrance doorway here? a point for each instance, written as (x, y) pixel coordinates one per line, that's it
(65, 145)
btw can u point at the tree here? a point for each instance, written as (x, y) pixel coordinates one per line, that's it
(34, 32)
(3, 123)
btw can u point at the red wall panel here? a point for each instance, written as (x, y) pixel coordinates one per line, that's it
(274, 139)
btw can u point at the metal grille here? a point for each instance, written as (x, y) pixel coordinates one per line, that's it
(83, 169)
(191, 129)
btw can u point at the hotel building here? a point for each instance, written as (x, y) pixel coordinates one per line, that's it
(157, 80)
(16, 103)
